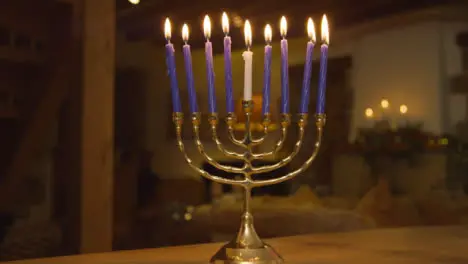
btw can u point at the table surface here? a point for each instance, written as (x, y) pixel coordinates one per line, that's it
(428, 245)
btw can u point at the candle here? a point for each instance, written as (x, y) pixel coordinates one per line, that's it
(171, 69)
(189, 71)
(227, 65)
(267, 71)
(247, 55)
(209, 65)
(284, 68)
(305, 94)
(323, 67)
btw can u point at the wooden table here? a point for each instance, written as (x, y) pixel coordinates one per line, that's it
(441, 245)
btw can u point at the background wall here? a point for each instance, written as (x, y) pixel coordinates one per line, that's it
(411, 66)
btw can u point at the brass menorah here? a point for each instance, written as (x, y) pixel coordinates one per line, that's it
(247, 247)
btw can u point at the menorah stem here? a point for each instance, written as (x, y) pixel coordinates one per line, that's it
(247, 236)
(248, 107)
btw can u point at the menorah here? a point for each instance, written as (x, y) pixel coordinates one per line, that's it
(247, 247)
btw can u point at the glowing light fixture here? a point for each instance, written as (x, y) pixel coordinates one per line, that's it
(369, 113)
(384, 103)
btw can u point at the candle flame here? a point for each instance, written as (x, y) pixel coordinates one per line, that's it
(167, 29)
(325, 33)
(248, 33)
(268, 34)
(185, 33)
(207, 27)
(283, 27)
(311, 30)
(225, 23)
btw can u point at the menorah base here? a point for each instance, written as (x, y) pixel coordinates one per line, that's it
(232, 254)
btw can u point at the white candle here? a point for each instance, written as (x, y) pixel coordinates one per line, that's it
(248, 56)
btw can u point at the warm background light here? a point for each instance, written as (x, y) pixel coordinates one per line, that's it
(385, 104)
(369, 113)
(237, 21)
(134, 2)
(403, 109)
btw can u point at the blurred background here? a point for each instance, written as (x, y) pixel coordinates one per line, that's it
(88, 155)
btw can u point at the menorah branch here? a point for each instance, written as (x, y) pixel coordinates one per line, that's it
(301, 124)
(265, 124)
(178, 119)
(231, 120)
(196, 121)
(213, 120)
(320, 123)
(285, 122)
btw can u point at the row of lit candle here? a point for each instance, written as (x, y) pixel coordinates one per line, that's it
(248, 58)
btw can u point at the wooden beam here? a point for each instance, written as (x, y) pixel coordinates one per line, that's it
(97, 125)
(67, 162)
(57, 73)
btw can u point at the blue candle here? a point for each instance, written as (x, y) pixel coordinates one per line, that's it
(284, 69)
(323, 67)
(189, 71)
(209, 66)
(267, 72)
(305, 93)
(171, 69)
(227, 65)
